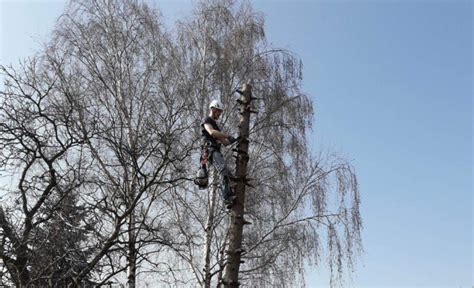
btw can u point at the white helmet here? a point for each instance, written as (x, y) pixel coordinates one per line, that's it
(216, 104)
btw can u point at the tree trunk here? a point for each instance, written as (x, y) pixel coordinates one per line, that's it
(235, 250)
(132, 239)
(132, 252)
(210, 230)
(21, 265)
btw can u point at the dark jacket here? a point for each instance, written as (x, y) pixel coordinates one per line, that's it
(206, 138)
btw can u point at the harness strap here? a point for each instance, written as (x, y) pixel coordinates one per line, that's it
(204, 156)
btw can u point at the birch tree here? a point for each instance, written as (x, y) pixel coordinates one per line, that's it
(303, 204)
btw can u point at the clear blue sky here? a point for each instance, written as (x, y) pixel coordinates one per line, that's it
(392, 85)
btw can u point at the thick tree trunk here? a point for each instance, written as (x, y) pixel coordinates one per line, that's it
(235, 250)
(21, 265)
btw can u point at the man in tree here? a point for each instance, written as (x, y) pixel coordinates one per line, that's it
(212, 139)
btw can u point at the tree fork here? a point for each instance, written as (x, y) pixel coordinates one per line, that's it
(231, 275)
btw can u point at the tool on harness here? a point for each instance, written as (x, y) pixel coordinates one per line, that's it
(202, 177)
